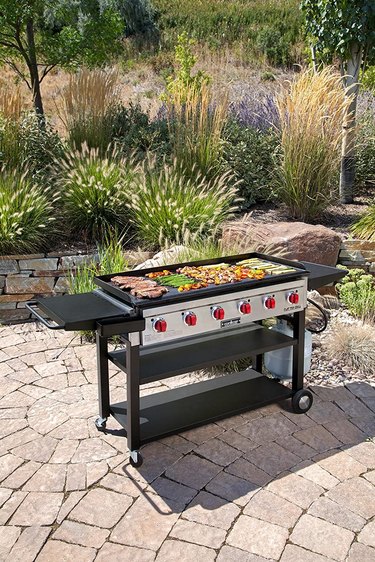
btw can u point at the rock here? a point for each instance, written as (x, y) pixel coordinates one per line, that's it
(68, 262)
(134, 257)
(14, 315)
(8, 266)
(292, 240)
(165, 257)
(43, 264)
(23, 285)
(62, 285)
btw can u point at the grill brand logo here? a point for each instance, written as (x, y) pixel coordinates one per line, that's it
(230, 322)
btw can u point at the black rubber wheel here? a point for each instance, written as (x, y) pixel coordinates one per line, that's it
(136, 459)
(101, 424)
(302, 401)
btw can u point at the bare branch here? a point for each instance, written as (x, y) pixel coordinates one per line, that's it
(46, 70)
(18, 71)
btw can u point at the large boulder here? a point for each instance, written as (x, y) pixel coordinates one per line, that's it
(292, 240)
(165, 257)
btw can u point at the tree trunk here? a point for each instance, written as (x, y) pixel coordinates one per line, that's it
(34, 72)
(351, 77)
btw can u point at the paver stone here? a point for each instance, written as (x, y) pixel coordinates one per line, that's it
(322, 537)
(147, 523)
(208, 509)
(102, 508)
(258, 537)
(63, 552)
(272, 508)
(38, 508)
(176, 550)
(29, 544)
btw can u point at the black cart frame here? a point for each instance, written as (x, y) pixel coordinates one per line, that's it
(160, 414)
(170, 411)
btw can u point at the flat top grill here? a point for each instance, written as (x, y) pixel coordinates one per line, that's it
(174, 296)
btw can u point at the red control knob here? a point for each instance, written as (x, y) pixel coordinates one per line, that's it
(190, 319)
(218, 313)
(244, 307)
(270, 303)
(293, 298)
(160, 325)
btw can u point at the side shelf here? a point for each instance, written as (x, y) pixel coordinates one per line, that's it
(177, 358)
(172, 411)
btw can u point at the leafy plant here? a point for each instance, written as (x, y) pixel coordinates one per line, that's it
(365, 150)
(166, 206)
(26, 215)
(87, 104)
(311, 115)
(94, 192)
(357, 292)
(25, 146)
(134, 132)
(184, 82)
(251, 155)
(275, 45)
(368, 79)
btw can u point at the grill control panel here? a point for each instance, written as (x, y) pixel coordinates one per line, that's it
(199, 316)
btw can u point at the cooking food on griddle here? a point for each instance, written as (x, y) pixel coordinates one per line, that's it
(221, 273)
(139, 286)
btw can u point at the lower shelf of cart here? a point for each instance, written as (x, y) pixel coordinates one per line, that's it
(172, 411)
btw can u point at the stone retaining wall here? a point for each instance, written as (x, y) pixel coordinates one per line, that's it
(24, 277)
(358, 253)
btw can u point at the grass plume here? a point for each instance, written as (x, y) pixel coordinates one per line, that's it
(311, 116)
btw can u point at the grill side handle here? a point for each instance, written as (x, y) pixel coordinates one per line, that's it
(32, 306)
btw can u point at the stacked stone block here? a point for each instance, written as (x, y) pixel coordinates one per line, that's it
(25, 277)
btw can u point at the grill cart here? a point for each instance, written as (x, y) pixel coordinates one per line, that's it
(183, 331)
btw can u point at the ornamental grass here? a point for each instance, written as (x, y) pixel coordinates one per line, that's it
(311, 114)
(26, 215)
(167, 206)
(86, 105)
(94, 192)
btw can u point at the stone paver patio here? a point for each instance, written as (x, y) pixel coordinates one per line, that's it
(266, 485)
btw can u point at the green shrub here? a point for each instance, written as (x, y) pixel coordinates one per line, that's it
(275, 45)
(357, 292)
(365, 150)
(365, 226)
(251, 155)
(93, 192)
(24, 144)
(26, 215)
(166, 206)
(368, 79)
(133, 132)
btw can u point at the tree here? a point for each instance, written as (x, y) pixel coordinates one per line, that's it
(345, 30)
(38, 35)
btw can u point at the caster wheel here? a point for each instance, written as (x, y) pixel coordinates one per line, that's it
(302, 401)
(136, 459)
(101, 424)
